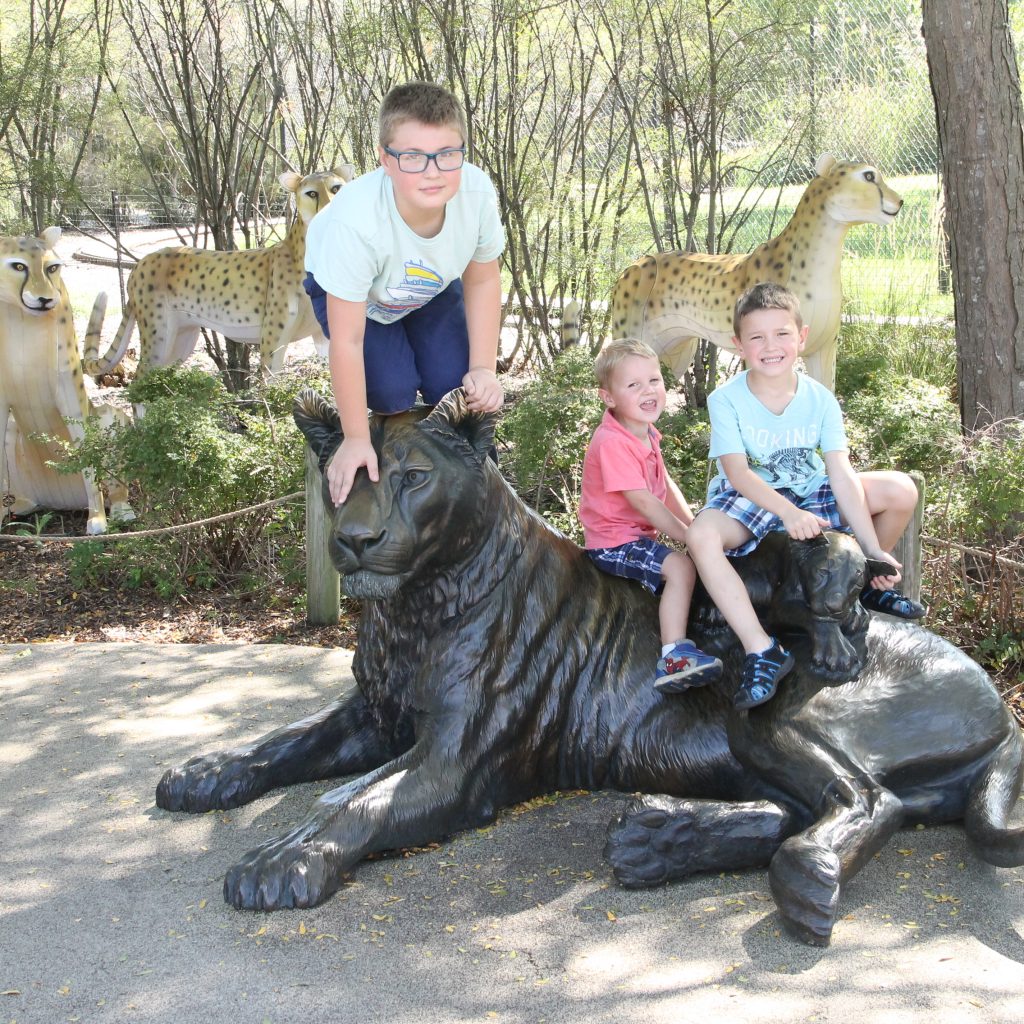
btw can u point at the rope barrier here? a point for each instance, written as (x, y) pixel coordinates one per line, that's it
(68, 538)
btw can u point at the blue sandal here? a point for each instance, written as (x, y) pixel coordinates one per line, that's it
(892, 602)
(761, 675)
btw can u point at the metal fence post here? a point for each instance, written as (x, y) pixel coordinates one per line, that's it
(115, 203)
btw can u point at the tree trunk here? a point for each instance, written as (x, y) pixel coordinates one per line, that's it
(976, 87)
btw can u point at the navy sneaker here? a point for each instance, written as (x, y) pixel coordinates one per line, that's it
(685, 667)
(761, 675)
(892, 602)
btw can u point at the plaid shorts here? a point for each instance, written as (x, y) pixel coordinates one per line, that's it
(639, 559)
(760, 522)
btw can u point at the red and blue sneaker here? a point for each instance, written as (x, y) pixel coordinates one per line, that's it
(685, 667)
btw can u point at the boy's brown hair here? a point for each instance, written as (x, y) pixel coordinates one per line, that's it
(419, 101)
(766, 295)
(614, 353)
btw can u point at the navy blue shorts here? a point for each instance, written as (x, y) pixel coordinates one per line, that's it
(761, 522)
(639, 559)
(427, 351)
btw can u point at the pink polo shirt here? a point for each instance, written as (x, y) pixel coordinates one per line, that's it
(616, 461)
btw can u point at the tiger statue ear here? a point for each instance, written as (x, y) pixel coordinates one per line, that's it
(318, 420)
(452, 418)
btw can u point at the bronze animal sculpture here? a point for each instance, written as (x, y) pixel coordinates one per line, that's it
(495, 663)
(809, 587)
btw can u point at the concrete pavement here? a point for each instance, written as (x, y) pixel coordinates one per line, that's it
(111, 910)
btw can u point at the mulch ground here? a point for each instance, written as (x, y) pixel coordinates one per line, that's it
(40, 601)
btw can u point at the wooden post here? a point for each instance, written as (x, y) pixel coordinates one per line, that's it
(908, 547)
(323, 584)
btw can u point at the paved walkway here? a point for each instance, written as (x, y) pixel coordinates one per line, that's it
(112, 910)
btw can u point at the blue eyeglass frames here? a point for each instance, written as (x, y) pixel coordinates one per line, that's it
(415, 162)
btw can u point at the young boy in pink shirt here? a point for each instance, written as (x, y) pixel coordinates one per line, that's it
(627, 498)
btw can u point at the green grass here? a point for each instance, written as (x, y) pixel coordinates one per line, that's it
(891, 287)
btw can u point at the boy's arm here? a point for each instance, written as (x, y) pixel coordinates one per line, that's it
(657, 514)
(799, 524)
(677, 504)
(481, 290)
(853, 506)
(347, 323)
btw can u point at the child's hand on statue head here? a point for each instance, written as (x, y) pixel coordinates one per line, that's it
(352, 454)
(483, 392)
(889, 581)
(801, 524)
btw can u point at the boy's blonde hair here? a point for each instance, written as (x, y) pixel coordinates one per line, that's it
(614, 353)
(766, 295)
(419, 101)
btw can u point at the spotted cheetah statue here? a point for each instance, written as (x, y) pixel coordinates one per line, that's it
(42, 390)
(672, 299)
(252, 296)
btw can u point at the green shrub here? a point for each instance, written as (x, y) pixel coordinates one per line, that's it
(686, 439)
(871, 352)
(546, 430)
(196, 453)
(974, 550)
(908, 424)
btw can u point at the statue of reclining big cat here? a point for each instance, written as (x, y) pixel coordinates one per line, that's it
(495, 663)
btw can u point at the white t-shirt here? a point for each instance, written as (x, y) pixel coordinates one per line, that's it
(781, 449)
(359, 248)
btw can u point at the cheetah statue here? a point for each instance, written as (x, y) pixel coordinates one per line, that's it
(42, 390)
(252, 296)
(672, 299)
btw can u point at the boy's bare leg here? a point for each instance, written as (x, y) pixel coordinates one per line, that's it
(708, 538)
(680, 575)
(891, 499)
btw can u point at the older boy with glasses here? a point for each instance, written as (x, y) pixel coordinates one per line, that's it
(403, 275)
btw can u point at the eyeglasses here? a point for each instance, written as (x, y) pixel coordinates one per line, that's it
(414, 162)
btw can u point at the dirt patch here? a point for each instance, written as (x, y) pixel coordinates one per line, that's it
(42, 600)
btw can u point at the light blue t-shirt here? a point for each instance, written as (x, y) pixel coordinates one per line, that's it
(782, 450)
(359, 248)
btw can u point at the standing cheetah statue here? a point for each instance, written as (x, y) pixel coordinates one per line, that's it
(252, 296)
(673, 299)
(42, 390)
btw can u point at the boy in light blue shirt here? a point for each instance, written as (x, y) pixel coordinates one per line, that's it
(403, 276)
(768, 425)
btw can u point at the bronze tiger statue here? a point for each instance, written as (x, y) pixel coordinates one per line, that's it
(495, 662)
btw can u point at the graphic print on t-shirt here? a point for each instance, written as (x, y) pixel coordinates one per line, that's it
(784, 466)
(416, 289)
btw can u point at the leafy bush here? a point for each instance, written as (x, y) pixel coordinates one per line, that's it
(895, 381)
(196, 453)
(974, 565)
(872, 351)
(546, 430)
(913, 425)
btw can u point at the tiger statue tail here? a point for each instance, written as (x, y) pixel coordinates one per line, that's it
(93, 365)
